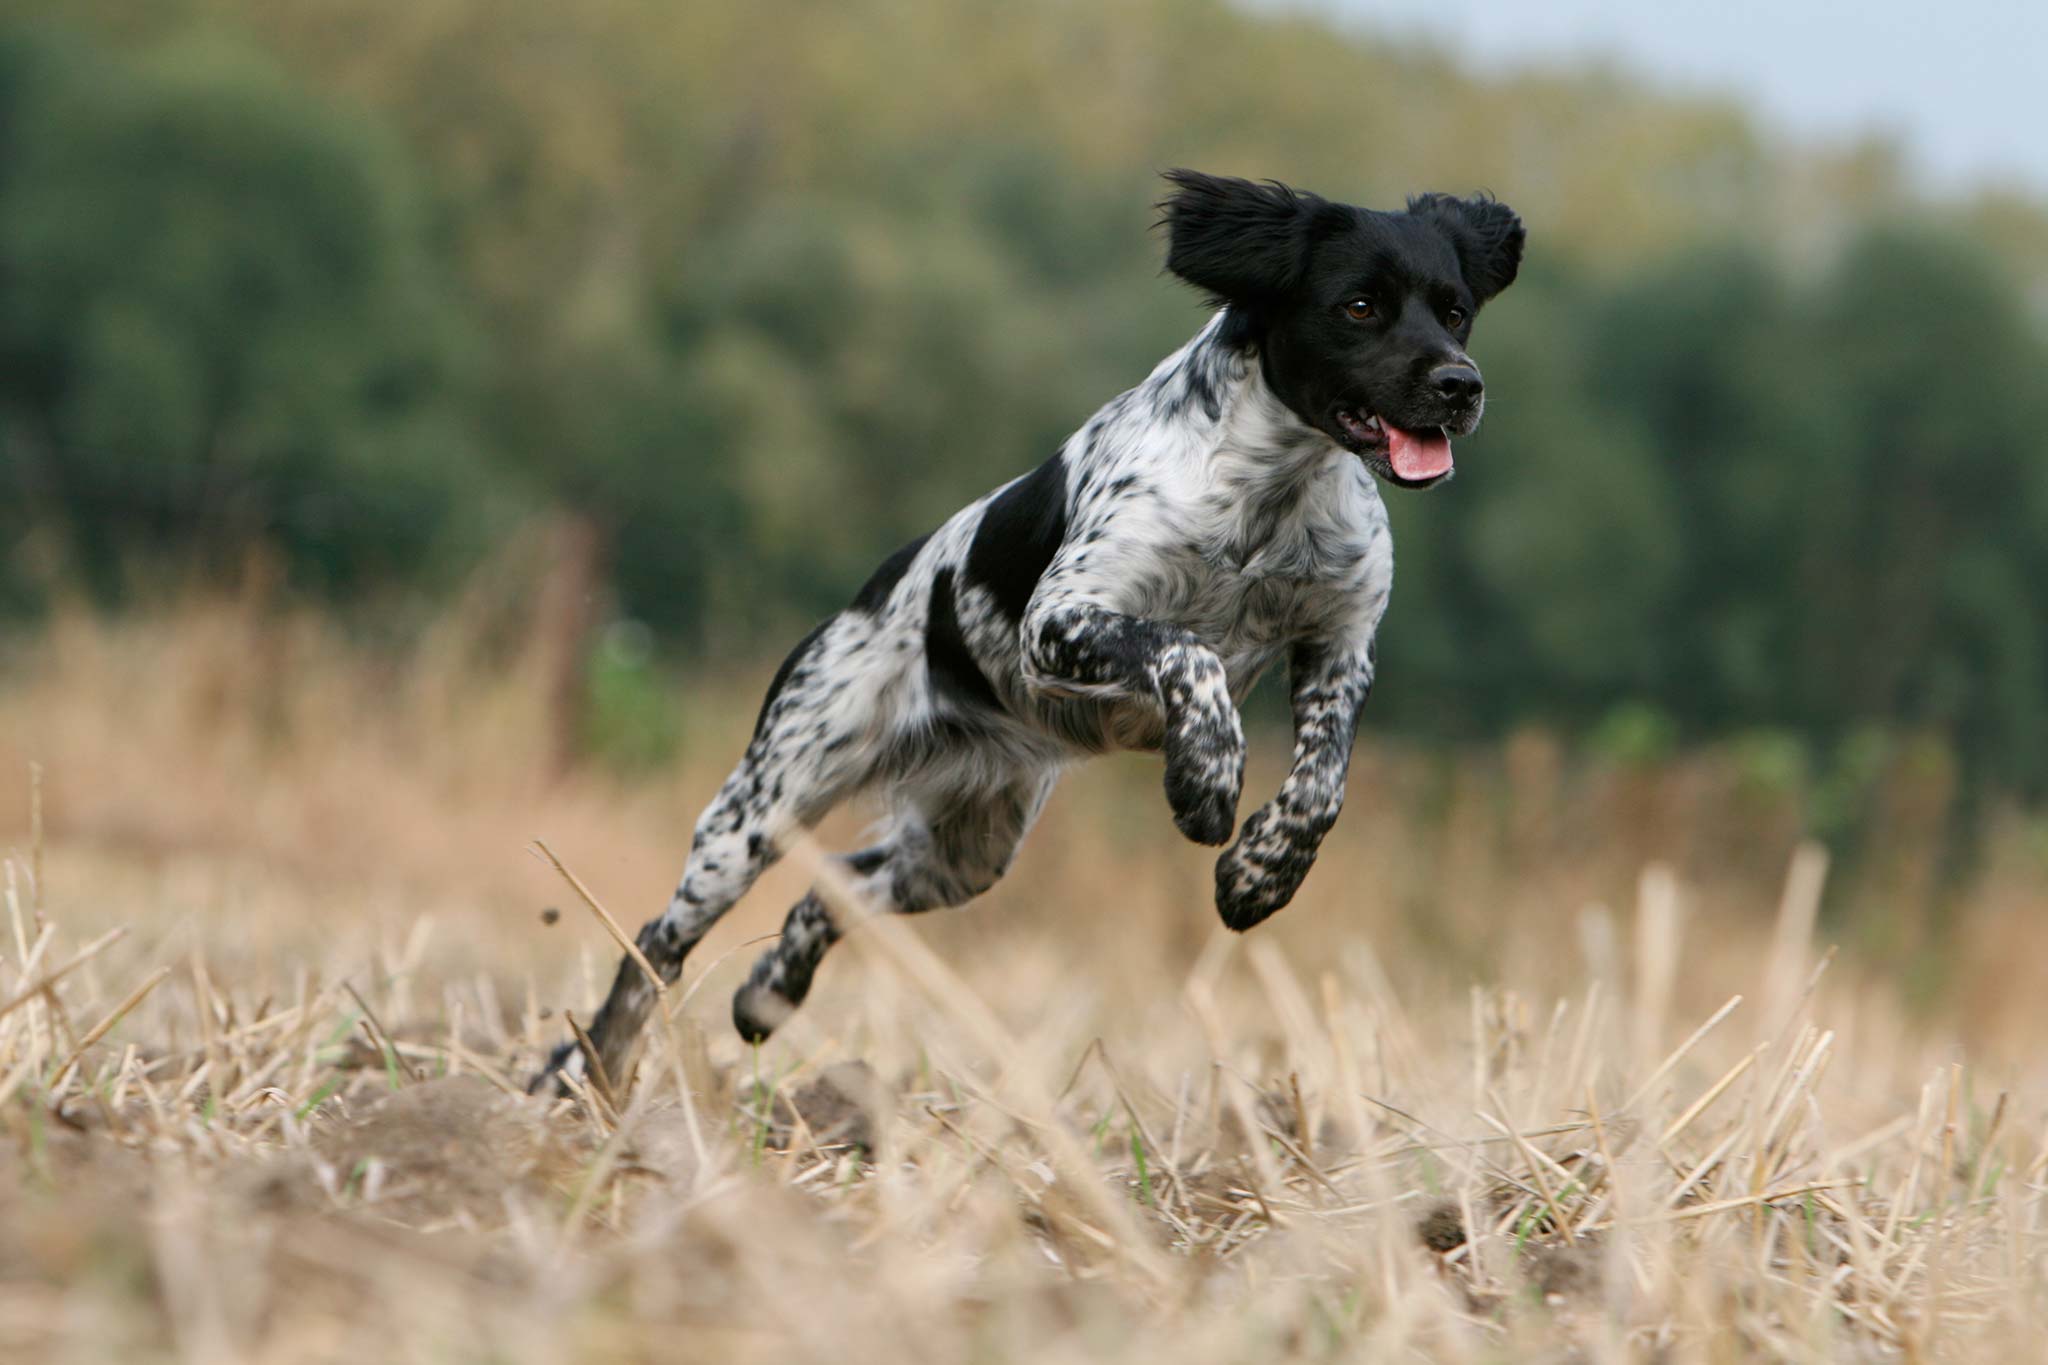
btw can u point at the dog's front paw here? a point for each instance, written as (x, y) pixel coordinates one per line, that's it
(1206, 817)
(1204, 778)
(1204, 745)
(1261, 871)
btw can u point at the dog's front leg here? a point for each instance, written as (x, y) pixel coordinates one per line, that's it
(1079, 647)
(1264, 868)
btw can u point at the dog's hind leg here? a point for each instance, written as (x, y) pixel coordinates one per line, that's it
(942, 849)
(781, 978)
(813, 746)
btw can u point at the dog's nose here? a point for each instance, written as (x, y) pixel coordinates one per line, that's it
(1459, 383)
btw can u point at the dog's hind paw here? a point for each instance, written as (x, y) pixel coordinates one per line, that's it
(758, 1010)
(568, 1058)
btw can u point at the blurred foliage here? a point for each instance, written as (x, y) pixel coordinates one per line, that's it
(762, 291)
(629, 720)
(218, 322)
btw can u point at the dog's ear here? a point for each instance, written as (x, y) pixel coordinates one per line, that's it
(1241, 242)
(1487, 234)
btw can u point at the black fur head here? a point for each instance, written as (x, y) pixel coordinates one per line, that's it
(1360, 317)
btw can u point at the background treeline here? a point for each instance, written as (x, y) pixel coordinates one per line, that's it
(752, 293)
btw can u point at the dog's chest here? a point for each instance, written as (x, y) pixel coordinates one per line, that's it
(1249, 581)
(1247, 605)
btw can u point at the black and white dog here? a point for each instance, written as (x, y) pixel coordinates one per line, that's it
(1127, 593)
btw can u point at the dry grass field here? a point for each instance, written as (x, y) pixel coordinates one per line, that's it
(1550, 1061)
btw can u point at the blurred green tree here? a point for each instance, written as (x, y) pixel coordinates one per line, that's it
(219, 323)
(749, 295)
(1756, 499)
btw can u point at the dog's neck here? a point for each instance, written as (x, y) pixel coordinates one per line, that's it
(1214, 397)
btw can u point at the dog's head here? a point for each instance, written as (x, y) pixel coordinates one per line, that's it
(1360, 317)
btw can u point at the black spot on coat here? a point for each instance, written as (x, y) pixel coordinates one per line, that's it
(874, 594)
(787, 671)
(954, 673)
(1019, 534)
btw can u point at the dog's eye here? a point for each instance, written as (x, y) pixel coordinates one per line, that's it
(1455, 318)
(1359, 310)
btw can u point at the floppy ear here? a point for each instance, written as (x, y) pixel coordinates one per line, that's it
(1242, 242)
(1487, 234)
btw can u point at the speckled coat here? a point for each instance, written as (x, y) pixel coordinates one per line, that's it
(1127, 594)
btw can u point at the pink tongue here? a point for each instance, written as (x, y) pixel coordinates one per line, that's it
(1417, 455)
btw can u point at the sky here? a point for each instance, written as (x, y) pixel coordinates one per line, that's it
(1963, 86)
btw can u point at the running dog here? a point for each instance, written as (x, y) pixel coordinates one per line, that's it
(1126, 594)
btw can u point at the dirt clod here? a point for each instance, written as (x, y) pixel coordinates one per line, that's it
(838, 1109)
(446, 1147)
(1441, 1227)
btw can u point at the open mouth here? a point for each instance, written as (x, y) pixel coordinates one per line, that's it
(1413, 459)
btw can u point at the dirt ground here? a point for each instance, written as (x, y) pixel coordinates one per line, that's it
(1547, 1062)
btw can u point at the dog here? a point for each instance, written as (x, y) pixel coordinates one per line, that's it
(1126, 594)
